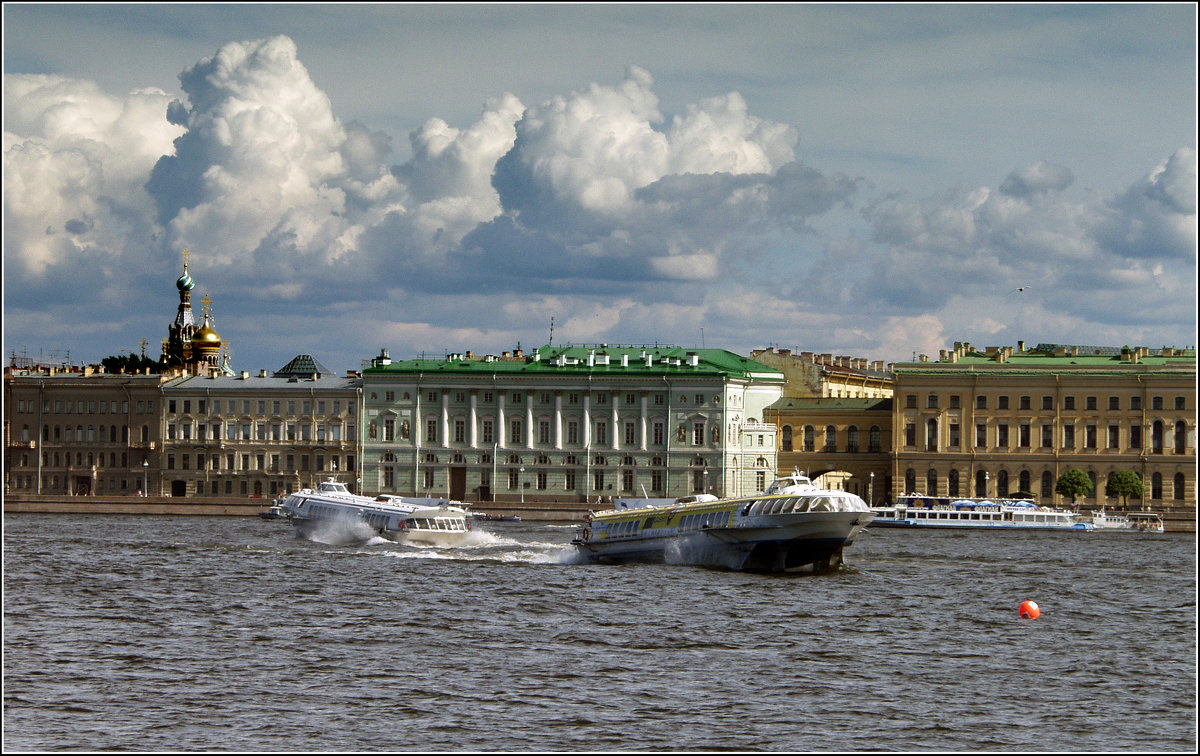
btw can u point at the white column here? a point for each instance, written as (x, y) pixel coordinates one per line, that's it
(474, 421)
(645, 408)
(558, 434)
(500, 431)
(616, 423)
(587, 420)
(530, 434)
(445, 418)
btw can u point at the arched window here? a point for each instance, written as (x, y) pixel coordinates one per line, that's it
(787, 438)
(910, 481)
(830, 438)
(1156, 486)
(1178, 487)
(1156, 438)
(810, 438)
(1092, 477)
(875, 440)
(952, 483)
(1025, 485)
(931, 483)
(1047, 485)
(931, 435)
(852, 438)
(1180, 437)
(981, 483)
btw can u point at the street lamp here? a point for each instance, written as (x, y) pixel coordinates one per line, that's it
(521, 483)
(987, 483)
(145, 478)
(871, 492)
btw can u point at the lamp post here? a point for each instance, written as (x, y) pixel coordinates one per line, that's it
(987, 483)
(521, 483)
(145, 478)
(871, 492)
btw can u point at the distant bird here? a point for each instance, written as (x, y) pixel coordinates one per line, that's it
(1019, 288)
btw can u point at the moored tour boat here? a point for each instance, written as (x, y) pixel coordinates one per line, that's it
(912, 511)
(792, 525)
(425, 521)
(1133, 522)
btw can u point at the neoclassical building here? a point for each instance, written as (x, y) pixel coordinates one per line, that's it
(569, 423)
(1003, 420)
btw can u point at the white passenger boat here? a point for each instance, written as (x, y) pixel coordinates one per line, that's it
(1133, 522)
(945, 512)
(426, 521)
(792, 525)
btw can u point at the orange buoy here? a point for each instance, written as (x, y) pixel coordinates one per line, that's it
(1029, 610)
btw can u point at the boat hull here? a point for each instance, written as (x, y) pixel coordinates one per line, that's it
(892, 522)
(322, 528)
(772, 543)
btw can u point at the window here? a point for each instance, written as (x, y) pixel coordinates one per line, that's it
(630, 433)
(1135, 403)
(1047, 485)
(980, 435)
(931, 435)
(515, 432)
(460, 431)
(810, 438)
(697, 434)
(1180, 403)
(852, 438)
(981, 402)
(952, 483)
(875, 444)
(1179, 482)
(1156, 486)
(488, 432)
(931, 401)
(431, 431)
(830, 438)
(601, 432)
(1023, 435)
(573, 433)
(659, 433)
(1114, 403)
(1135, 437)
(1025, 402)
(1069, 402)
(954, 401)
(1047, 402)
(1089, 437)
(1114, 437)
(787, 438)
(1047, 436)
(1156, 403)
(1090, 403)
(1180, 437)
(543, 431)
(1002, 402)
(1002, 435)
(1069, 436)
(910, 401)
(955, 439)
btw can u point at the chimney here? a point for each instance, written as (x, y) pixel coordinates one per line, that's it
(245, 374)
(649, 360)
(262, 373)
(693, 359)
(1020, 346)
(591, 358)
(807, 356)
(625, 359)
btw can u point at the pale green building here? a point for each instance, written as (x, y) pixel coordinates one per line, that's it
(569, 424)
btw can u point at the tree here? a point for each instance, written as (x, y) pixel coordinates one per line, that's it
(130, 363)
(1074, 483)
(1124, 483)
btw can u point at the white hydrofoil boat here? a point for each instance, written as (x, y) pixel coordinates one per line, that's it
(792, 525)
(425, 521)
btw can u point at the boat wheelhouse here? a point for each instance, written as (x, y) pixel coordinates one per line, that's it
(945, 512)
(1131, 522)
(427, 521)
(792, 525)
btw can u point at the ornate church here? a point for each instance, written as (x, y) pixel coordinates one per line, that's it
(192, 349)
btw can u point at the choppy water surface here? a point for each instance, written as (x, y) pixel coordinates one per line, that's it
(189, 633)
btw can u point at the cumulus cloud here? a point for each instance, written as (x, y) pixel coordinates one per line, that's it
(591, 207)
(75, 159)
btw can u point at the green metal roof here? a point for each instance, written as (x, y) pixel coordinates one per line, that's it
(1044, 358)
(573, 360)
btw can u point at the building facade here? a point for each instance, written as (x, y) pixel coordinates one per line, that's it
(259, 436)
(813, 375)
(1005, 421)
(569, 424)
(844, 444)
(80, 432)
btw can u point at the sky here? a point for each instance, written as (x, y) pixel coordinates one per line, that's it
(871, 180)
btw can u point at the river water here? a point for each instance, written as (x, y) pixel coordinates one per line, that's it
(210, 633)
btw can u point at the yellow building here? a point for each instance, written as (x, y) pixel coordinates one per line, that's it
(810, 374)
(1005, 420)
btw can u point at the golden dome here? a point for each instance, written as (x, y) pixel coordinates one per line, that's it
(206, 336)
